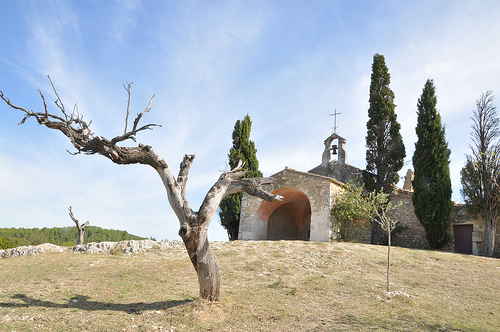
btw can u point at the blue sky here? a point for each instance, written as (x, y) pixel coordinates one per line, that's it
(288, 64)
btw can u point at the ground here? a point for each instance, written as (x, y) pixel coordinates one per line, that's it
(266, 286)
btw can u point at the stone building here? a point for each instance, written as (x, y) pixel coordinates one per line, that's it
(304, 214)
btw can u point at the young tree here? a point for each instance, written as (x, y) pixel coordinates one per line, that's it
(243, 149)
(385, 149)
(481, 173)
(193, 225)
(79, 227)
(351, 204)
(349, 210)
(431, 162)
(378, 208)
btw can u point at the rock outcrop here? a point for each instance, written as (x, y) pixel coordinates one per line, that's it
(123, 247)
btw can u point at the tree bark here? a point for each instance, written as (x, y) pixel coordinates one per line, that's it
(204, 261)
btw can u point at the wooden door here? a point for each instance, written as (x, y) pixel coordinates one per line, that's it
(463, 238)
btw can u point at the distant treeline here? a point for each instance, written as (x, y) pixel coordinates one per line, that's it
(61, 236)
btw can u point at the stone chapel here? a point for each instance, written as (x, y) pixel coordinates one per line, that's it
(304, 213)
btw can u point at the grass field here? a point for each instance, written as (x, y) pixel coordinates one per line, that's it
(266, 286)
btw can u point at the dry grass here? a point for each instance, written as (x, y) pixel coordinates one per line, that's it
(266, 286)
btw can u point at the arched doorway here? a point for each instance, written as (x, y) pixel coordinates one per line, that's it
(289, 219)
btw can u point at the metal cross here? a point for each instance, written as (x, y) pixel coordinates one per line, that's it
(335, 121)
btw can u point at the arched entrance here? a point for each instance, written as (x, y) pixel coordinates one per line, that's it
(289, 219)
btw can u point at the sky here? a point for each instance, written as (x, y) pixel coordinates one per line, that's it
(287, 64)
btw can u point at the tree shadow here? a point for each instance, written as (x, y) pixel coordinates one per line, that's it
(82, 302)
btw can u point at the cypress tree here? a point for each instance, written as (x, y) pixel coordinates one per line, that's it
(385, 149)
(243, 148)
(431, 162)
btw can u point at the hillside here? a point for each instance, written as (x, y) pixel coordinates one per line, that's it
(266, 286)
(61, 236)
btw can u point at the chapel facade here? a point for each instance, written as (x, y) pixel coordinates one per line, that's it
(304, 213)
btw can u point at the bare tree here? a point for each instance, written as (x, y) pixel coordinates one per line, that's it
(79, 227)
(193, 225)
(481, 172)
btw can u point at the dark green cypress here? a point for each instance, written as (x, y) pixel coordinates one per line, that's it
(431, 163)
(243, 149)
(385, 149)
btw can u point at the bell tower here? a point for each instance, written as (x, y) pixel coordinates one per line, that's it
(334, 146)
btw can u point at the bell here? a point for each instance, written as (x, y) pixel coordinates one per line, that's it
(334, 149)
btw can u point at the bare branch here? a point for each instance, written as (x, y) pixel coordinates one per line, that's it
(78, 226)
(127, 88)
(183, 172)
(44, 103)
(71, 215)
(131, 134)
(58, 101)
(139, 116)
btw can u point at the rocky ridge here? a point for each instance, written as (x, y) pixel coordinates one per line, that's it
(122, 247)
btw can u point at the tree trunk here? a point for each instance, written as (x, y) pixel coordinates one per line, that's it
(80, 236)
(207, 268)
(194, 225)
(203, 258)
(388, 260)
(489, 237)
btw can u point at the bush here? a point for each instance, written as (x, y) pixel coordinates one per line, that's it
(6, 243)
(353, 229)
(348, 212)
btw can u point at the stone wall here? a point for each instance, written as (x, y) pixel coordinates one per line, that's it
(409, 231)
(461, 217)
(124, 247)
(411, 234)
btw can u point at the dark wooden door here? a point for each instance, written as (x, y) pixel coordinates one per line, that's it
(463, 238)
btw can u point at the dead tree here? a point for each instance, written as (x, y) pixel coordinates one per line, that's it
(193, 225)
(79, 227)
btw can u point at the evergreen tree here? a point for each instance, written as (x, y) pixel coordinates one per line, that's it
(243, 149)
(385, 149)
(431, 162)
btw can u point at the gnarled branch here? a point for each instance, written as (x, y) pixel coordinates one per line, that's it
(253, 186)
(84, 140)
(230, 183)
